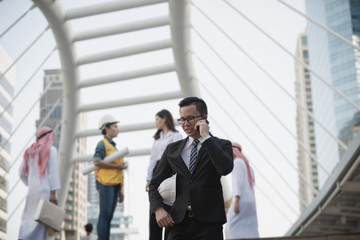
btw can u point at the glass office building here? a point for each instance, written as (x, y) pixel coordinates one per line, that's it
(307, 166)
(339, 64)
(51, 115)
(7, 83)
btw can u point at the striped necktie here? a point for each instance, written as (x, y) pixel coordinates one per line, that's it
(193, 155)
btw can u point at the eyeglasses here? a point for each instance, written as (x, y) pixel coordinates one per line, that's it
(190, 119)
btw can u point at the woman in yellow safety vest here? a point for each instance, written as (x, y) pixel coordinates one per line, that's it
(109, 176)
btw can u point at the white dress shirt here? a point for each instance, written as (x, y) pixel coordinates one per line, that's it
(185, 154)
(158, 149)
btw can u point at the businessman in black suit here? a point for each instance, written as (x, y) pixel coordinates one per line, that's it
(198, 211)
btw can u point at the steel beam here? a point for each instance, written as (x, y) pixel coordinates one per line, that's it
(108, 7)
(132, 153)
(181, 36)
(122, 128)
(122, 28)
(63, 37)
(124, 52)
(145, 72)
(130, 101)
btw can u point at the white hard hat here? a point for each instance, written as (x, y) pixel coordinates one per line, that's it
(167, 190)
(105, 120)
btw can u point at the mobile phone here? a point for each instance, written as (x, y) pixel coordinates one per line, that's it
(202, 118)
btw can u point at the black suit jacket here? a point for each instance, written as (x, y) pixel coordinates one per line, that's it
(202, 189)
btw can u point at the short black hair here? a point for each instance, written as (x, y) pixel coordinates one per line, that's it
(198, 102)
(88, 228)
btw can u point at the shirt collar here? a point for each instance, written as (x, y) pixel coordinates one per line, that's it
(167, 135)
(190, 141)
(110, 141)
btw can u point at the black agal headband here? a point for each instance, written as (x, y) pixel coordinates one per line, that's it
(42, 135)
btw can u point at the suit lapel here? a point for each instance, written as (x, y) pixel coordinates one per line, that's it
(179, 159)
(200, 156)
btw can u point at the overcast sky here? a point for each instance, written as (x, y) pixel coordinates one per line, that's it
(244, 120)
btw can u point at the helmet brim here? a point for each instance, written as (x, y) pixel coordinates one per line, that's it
(107, 123)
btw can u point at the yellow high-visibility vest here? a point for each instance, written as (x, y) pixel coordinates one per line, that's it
(110, 176)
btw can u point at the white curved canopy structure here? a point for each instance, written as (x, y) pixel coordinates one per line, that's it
(66, 38)
(107, 56)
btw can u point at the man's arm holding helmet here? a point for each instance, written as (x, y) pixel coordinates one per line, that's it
(162, 172)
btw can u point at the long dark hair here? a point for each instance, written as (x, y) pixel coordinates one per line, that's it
(169, 121)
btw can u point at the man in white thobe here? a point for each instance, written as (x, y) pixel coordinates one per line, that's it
(241, 217)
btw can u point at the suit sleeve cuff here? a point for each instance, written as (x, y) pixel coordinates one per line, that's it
(204, 139)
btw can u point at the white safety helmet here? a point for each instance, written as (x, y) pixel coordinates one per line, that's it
(105, 120)
(167, 190)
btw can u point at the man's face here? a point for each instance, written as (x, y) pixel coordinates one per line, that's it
(190, 112)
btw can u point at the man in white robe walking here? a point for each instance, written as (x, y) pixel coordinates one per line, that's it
(39, 171)
(241, 217)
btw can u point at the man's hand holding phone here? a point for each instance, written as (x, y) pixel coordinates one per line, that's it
(202, 127)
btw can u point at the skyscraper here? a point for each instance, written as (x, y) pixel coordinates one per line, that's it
(339, 64)
(50, 115)
(7, 82)
(308, 174)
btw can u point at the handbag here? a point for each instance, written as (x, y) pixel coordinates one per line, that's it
(50, 214)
